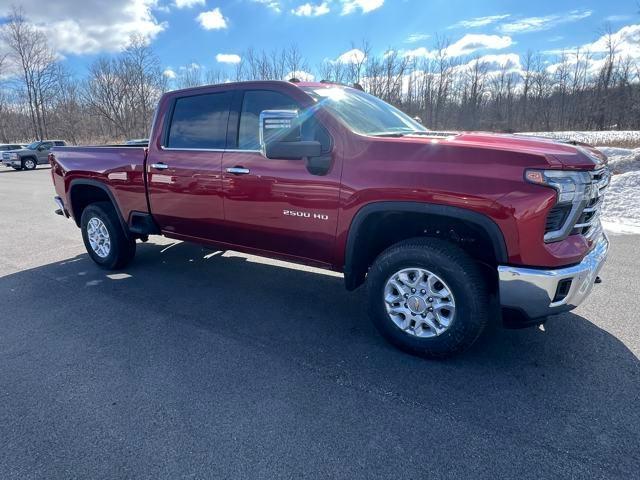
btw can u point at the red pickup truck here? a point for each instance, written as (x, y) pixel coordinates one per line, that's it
(438, 224)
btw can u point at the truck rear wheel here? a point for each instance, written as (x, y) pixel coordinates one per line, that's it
(104, 237)
(428, 297)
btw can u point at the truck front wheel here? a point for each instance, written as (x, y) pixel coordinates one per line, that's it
(104, 237)
(428, 297)
(29, 164)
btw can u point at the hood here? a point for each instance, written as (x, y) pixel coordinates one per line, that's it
(559, 153)
(21, 151)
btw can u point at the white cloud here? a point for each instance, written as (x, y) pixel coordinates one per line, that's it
(627, 46)
(169, 73)
(417, 37)
(626, 41)
(310, 10)
(300, 75)
(480, 21)
(74, 27)
(365, 6)
(468, 44)
(228, 58)
(188, 3)
(618, 18)
(537, 24)
(212, 20)
(272, 4)
(352, 56)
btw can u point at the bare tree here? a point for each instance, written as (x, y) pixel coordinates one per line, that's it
(33, 58)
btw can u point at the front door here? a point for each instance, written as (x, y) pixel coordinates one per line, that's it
(275, 204)
(184, 174)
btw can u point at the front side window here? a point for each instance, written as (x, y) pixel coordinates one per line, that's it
(255, 101)
(200, 121)
(363, 113)
(46, 146)
(33, 146)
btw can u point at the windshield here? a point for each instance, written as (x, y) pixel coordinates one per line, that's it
(33, 146)
(364, 113)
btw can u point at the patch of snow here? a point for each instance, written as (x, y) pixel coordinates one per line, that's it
(622, 160)
(621, 209)
(604, 137)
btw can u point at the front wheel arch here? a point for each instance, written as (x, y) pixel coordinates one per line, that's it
(372, 222)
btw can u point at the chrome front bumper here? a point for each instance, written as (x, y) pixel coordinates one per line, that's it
(535, 293)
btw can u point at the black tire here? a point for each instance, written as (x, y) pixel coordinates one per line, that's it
(122, 249)
(29, 163)
(457, 269)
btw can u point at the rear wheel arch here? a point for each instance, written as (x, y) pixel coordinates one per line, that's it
(377, 226)
(84, 192)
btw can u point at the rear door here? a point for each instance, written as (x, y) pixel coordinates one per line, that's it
(278, 205)
(184, 174)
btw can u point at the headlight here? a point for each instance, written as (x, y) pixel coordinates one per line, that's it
(573, 192)
(571, 186)
(13, 156)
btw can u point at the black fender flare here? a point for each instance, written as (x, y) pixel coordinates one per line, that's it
(95, 183)
(354, 274)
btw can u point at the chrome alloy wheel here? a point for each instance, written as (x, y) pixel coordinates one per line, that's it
(419, 302)
(98, 236)
(29, 164)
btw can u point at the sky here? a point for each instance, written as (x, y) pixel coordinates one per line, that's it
(213, 34)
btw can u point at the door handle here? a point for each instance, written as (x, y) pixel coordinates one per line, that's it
(238, 170)
(159, 166)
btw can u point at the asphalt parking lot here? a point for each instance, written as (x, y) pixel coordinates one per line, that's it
(195, 364)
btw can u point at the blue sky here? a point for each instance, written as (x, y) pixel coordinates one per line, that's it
(212, 33)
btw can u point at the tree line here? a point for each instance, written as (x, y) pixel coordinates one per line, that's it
(115, 98)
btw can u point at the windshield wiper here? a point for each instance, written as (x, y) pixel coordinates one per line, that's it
(390, 134)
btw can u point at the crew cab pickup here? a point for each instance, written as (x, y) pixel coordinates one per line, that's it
(439, 225)
(29, 157)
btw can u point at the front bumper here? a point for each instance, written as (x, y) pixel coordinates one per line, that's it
(61, 210)
(12, 163)
(538, 293)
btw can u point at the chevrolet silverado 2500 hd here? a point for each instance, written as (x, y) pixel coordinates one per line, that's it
(437, 224)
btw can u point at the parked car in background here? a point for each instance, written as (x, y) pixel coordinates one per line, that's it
(31, 156)
(5, 147)
(438, 224)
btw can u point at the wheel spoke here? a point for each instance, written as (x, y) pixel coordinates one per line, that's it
(419, 302)
(433, 283)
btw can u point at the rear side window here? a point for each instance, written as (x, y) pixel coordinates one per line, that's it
(200, 121)
(254, 102)
(59, 144)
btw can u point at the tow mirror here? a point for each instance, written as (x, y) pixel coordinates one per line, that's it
(280, 136)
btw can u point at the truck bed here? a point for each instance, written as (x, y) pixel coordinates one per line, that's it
(118, 168)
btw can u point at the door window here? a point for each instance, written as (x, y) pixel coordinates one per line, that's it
(200, 121)
(254, 102)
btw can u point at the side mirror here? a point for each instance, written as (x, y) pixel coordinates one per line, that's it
(41, 148)
(280, 136)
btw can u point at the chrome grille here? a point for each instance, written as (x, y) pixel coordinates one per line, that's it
(588, 223)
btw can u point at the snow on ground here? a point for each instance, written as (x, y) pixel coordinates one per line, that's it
(622, 160)
(621, 211)
(611, 138)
